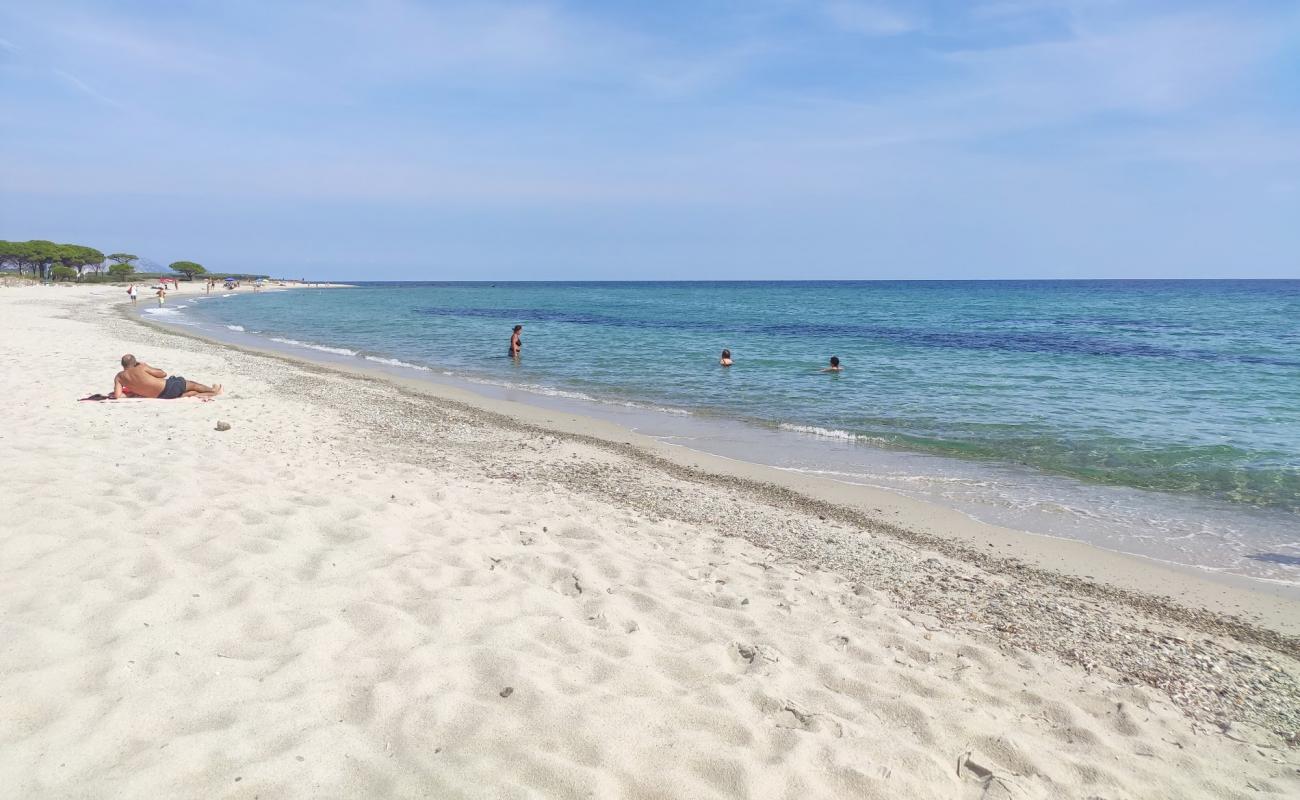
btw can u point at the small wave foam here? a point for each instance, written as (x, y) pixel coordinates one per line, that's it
(567, 394)
(239, 328)
(829, 433)
(534, 388)
(676, 412)
(340, 351)
(393, 362)
(172, 316)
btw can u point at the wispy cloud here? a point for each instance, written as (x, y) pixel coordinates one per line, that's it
(870, 18)
(686, 76)
(86, 89)
(801, 108)
(156, 48)
(1161, 65)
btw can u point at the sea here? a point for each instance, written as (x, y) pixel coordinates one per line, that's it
(1156, 418)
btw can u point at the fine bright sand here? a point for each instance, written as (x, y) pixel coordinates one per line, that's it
(357, 591)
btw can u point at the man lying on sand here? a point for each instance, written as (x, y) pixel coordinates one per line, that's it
(138, 379)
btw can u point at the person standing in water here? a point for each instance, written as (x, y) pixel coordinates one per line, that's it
(162, 294)
(835, 365)
(726, 358)
(516, 344)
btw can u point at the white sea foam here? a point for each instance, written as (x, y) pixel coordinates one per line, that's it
(545, 391)
(172, 315)
(341, 351)
(817, 431)
(239, 328)
(831, 433)
(676, 412)
(532, 388)
(393, 362)
(566, 394)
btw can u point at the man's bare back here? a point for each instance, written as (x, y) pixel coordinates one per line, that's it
(138, 379)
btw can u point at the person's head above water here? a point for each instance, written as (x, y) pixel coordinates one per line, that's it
(128, 361)
(518, 328)
(726, 354)
(835, 361)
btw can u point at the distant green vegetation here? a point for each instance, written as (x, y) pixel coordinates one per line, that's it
(47, 260)
(187, 268)
(42, 260)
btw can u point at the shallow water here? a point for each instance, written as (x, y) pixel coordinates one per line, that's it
(1160, 417)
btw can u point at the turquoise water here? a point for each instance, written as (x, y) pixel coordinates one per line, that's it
(1186, 388)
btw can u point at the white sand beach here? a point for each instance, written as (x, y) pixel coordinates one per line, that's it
(365, 590)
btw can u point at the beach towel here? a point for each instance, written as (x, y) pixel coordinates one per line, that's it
(97, 397)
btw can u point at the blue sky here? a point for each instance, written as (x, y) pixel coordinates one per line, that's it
(399, 139)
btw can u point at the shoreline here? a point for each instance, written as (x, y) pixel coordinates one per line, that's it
(1079, 565)
(361, 587)
(1205, 534)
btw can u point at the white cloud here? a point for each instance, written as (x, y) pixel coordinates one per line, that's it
(1159, 65)
(870, 19)
(86, 89)
(610, 112)
(677, 77)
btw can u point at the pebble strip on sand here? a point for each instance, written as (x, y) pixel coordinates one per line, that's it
(1226, 673)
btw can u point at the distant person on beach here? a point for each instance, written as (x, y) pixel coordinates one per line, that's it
(835, 365)
(516, 344)
(131, 292)
(162, 295)
(138, 379)
(726, 358)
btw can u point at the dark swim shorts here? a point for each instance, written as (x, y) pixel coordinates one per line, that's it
(175, 388)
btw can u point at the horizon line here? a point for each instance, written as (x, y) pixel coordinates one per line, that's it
(787, 280)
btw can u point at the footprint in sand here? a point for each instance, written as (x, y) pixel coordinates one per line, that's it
(568, 584)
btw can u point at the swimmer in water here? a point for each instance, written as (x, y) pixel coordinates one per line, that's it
(726, 358)
(516, 344)
(835, 365)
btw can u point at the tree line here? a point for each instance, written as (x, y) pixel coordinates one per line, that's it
(65, 262)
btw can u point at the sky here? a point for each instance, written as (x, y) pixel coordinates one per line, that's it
(757, 139)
